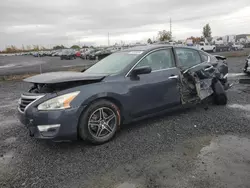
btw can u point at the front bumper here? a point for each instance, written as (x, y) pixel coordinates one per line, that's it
(55, 125)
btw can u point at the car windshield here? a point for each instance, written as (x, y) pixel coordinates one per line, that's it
(114, 63)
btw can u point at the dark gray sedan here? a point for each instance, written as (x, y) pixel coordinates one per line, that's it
(126, 86)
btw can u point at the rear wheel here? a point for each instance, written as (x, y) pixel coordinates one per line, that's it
(220, 99)
(219, 95)
(99, 123)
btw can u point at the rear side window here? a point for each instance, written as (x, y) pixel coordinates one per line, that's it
(204, 56)
(187, 57)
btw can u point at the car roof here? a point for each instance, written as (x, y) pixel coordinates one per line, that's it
(153, 47)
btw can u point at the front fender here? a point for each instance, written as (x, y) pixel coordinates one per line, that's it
(114, 96)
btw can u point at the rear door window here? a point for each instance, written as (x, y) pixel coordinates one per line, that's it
(187, 57)
(204, 56)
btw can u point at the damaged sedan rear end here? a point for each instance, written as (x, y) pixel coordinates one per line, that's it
(126, 86)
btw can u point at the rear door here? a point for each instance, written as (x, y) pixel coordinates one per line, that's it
(157, 90)
(197, 62)
(193, 60)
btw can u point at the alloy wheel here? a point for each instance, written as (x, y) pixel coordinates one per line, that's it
(102, 122)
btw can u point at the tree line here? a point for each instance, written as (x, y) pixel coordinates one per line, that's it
(167, 35)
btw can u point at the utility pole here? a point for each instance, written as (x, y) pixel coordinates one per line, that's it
(108, 39)
(170, 27)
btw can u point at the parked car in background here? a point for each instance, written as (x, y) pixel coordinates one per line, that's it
(86, 54)
(126, 86)
(205, 46)
(56, 53)
(247, 65)
(41, 53)
(222, 47)
(68, 54)
(78, 54)
(247, 45)
(98, 55)
(35, 54)
(237, 46)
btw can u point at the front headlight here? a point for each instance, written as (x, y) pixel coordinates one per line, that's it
(60, 102)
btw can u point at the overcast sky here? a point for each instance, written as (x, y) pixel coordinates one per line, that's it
(50, 22)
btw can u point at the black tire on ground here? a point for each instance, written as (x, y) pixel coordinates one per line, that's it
(219, 95)
(220, 99)
(61, 58)
(85, 130)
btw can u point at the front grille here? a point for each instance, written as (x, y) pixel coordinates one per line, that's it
(26, 100)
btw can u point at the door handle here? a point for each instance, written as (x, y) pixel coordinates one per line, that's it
(173, 77)
(208, 68)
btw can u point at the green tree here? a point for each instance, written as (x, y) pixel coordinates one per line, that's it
(164, 35)
(75, 47)
(196, 40)
(36, 47)
(149, 41)
(58, 47)
(207, 33)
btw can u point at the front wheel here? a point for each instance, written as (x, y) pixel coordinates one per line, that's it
(99, 123)
(214, 50)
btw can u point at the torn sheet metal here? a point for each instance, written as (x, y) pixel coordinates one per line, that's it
(193, 89)
(204, 89)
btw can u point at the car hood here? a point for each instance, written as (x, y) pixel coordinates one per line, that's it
(66, 76)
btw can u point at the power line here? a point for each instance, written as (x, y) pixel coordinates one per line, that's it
(170, 27)
(108, 39)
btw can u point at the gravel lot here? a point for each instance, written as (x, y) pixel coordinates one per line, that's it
(200, 146)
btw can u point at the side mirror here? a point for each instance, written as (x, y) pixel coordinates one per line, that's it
(141, 70)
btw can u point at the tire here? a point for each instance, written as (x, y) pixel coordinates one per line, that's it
(202, 49)
(219, 95)
(98, 132)
(220, 99)
(214, 50)
(61, 58)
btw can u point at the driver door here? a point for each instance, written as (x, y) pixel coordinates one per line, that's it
(157, 90)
